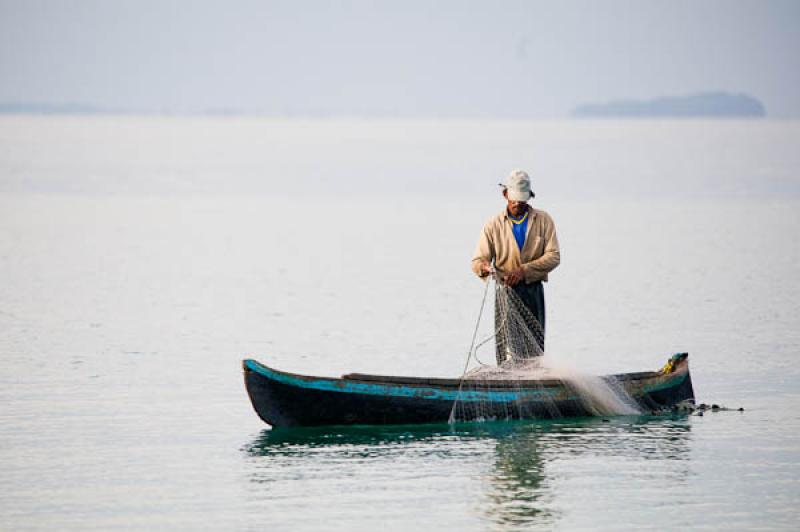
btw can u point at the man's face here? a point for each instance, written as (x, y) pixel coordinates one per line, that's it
(515, 208)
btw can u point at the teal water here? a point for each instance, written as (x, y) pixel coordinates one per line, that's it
(143, 258)
(500, 475)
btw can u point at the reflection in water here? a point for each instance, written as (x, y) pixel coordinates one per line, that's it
(519, 490)
(502, 466)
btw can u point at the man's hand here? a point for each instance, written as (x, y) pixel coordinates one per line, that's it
(486, 269)
(514, 277)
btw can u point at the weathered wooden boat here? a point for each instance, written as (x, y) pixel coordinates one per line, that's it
(284, 399)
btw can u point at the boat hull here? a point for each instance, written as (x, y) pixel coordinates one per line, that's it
(284, 399)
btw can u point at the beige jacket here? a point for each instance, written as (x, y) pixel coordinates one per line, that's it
(539, 254)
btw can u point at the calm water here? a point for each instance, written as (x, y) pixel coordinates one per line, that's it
(143, 258)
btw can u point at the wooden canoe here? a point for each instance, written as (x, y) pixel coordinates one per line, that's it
(285, 399)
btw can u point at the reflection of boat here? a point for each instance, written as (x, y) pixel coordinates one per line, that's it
(286, 399)
(519, 474)
(647, 437)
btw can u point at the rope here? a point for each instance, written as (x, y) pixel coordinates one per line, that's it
(520, 338)
(452, 418)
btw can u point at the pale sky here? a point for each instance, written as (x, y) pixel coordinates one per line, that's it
(459, 58)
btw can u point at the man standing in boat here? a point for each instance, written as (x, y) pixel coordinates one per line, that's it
(520, 246)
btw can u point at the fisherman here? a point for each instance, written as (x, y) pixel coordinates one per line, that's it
(520, 246)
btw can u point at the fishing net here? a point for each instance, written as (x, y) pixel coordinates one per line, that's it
(521, 369)
(518, 334)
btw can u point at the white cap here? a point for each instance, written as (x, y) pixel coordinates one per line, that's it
(518, 186)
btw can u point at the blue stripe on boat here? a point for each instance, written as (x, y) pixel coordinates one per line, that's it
(400, 390)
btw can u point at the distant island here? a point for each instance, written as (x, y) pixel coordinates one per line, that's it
(31, 108)
(705, 104)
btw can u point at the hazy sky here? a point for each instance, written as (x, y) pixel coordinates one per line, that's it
(521, 58)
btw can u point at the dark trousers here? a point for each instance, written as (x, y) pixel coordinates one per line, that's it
(526, 302)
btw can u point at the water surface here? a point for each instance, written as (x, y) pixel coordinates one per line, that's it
(143, 258)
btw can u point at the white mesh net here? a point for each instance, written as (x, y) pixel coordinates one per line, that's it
(518, 334)
(519, 344)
